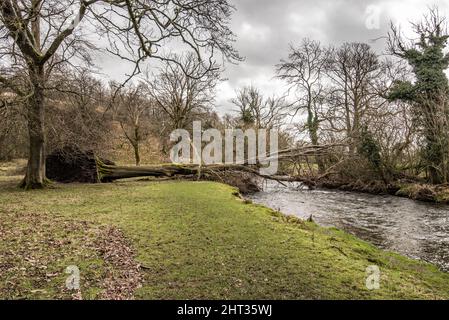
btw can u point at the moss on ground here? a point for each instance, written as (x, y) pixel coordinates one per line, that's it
(197, 240)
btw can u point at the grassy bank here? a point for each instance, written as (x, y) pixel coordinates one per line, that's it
(411, 190)
(192, 240)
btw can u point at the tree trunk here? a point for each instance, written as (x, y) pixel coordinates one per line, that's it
(312, 123)
(35, 175)
(109, 173)
(434, 150)
(434, 176)
(137, 153)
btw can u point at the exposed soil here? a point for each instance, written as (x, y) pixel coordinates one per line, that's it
(71, 165)
(246, 182)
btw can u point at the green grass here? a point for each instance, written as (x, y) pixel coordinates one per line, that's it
(198, 240)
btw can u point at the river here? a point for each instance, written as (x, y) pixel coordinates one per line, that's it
(416, 229)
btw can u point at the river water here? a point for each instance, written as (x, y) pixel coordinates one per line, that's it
(416, 229)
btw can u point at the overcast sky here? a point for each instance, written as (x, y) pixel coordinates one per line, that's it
(265, 28)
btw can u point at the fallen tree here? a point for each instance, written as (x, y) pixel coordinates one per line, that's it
(108, 173)
(70, 165)
(244, 177)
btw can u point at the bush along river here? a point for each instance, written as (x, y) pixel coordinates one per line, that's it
(416, 229)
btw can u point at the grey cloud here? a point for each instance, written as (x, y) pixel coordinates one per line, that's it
(265, 28)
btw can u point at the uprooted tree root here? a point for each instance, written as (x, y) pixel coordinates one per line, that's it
(72, 165)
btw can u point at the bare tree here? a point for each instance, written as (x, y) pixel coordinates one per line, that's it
(133, 109)
(12, 126)
(182, 95)
(256, 111)
(305, 71)
(247, 100)
(37, 35)
(354, 70)
(76, 104)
